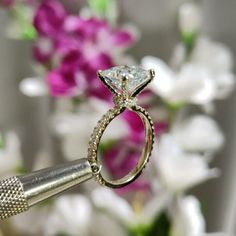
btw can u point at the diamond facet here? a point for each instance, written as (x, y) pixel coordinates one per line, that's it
(137, 78)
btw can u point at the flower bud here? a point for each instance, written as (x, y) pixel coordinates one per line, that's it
(189, 18)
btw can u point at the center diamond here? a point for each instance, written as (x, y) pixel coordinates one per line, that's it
(137, 78)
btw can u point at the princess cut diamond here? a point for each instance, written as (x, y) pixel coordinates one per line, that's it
(136, 78)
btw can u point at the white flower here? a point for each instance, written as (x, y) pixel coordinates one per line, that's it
(225, 84)
(10, 155)
(216, 56)
(179, 170)
(187, 217)
(164, 77)
(192, 84)
(104, 224)
(213, 57)
(218, 60)
(33, 87)
(206, 76)
(190, 18)
(105, 199)
(215, 234)
(31, 222)
(198, 133)
(76, 128)
(71, 214)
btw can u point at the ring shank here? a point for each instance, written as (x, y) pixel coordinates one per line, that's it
(146, 152)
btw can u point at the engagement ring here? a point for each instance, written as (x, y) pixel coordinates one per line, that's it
(125, 82)
(18, 193)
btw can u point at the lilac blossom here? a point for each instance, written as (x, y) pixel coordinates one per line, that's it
(49, 18)
(7, 3)
(124, 154)
(73, 49)
(120, 159)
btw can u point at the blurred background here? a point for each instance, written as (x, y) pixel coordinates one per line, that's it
(157, 23)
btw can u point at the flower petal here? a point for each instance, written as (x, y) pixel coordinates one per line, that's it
(194, 85)
(212, 55)
(10, 155)
(70, 214)
(225, 84)
(76, 128)
(198, 133)
(179, 170)
(106, 199)
(164, 81)
(187, 217)
(190, 18)
(33, 87)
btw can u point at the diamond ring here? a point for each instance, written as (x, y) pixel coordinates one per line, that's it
(125, 82)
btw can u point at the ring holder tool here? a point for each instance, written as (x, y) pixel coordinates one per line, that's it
(19, 193)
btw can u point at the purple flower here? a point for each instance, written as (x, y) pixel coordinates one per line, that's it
(136, 126)
(84, 28)
(96, 87)
(121, 158)
(49, 18)
(7, 3)
(61, 85)
(122, 37)
(43, 50)
(75, 48)
(160, 128)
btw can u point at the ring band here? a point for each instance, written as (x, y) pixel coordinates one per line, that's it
(125, 83)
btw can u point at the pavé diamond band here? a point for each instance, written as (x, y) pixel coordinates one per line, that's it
(125, 83)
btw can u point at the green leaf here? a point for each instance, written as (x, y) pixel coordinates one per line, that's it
(160, 227)
(104, 146)
(189, 41)
(106, 9)
(99, 6)
(21, 170)
(140, 230)
(28, 32)
(174, 106)
(2, 142)
(62, 234)
(22, 22)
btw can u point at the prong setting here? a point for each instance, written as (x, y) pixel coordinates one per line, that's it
(99, 73)
(124, 86)
(125, 83)
(126, 80)
(152, 73)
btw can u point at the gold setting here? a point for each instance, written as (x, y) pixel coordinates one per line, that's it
(122, 100)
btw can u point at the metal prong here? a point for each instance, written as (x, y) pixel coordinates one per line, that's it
(125, 78)
(99, 72)
(124, 85)
(152, 73)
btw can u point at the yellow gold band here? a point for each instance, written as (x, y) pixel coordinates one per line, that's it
(97, 135)
(125, 83)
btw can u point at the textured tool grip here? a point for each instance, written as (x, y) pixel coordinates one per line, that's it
(12, 198)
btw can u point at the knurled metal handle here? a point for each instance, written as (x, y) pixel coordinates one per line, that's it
(12, 198)
(17, 194)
